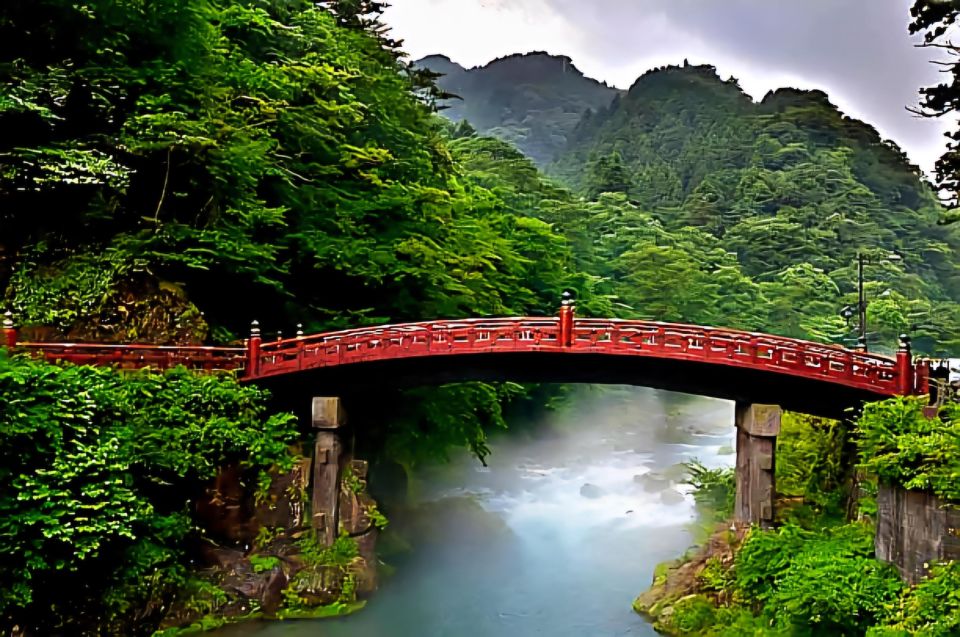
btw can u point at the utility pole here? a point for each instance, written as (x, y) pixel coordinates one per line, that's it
(861, 304)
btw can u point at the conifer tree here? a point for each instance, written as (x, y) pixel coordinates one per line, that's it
(934, 18)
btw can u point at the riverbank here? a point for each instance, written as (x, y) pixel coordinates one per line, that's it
(519, 547)
(815, 573)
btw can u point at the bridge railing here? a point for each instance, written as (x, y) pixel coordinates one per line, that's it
(610, 336)
(405, 341)
(159, 357)
(733, 347)
(260, 359)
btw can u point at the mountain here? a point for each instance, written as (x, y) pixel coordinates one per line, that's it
(788, 186)
(784, 180)
(533, 100)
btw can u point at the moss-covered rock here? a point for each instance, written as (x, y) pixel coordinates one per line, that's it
(682, 590)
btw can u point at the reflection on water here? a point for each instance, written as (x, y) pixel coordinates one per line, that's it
(556, 536)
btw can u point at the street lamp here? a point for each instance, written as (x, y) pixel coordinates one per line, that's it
(862, 260)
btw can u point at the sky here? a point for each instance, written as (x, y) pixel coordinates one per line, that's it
(857, 51)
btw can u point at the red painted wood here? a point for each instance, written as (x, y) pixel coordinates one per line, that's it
(722, 347)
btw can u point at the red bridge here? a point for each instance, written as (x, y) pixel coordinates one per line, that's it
(736, 365)
(762, 373)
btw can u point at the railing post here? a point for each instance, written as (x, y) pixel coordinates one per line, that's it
(922, 386)
(905, 374)
(567, 309)
(253, 350)
(299, 345)
(9, 331)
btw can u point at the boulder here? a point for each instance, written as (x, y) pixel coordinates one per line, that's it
(591, 491)
(652, 482)
(672, 497)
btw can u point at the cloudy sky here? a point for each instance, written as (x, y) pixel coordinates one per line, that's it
(858, 51)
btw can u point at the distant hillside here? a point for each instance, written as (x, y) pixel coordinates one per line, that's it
(789, 185)
(533, 100)
(785, 180)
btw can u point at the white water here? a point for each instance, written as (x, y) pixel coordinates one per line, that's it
(562, 564)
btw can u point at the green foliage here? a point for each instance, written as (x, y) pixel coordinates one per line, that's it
(261, 563)
(377, 517)
(690, 615)
(451, 415)
(97, 471)
(936, 20)
(795, 582)
(348, 590)
(811, 464)
(267, 535)
(833, 594)
(262, 148)
(767, 555)
(901, 446)
(314, 553)
(793, 188)
(64, 291)
(203, 597)
(714, 489)
(930, 609)
(715, 577)
(351, 481)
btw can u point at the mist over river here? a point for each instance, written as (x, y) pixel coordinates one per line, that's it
(556, 536)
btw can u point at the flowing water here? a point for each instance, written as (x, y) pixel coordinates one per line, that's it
(556, 536)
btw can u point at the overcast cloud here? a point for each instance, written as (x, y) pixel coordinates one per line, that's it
(858, 51)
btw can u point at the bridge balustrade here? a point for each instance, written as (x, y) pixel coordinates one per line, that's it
(140, 356)
(878, 374)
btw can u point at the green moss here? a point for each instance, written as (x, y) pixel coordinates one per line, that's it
(338, 609)
(315, 554)
(687, 616)
(261, 563)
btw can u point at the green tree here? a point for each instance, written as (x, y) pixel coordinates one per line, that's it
(99, 474)
(935, 21)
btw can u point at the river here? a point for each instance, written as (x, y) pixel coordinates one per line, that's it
(556, 536)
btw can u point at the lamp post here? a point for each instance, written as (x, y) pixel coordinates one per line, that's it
(862, 260)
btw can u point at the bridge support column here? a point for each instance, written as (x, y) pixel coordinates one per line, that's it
(757, 429)
(329, 419)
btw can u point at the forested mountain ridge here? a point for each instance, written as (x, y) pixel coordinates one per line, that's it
(789, 185)
(533, 100)
(786, 181)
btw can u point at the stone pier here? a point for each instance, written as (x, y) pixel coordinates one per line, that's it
(915, 530)
(757, 429)
(330, 454)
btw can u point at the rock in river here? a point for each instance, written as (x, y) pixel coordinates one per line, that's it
(591, 491)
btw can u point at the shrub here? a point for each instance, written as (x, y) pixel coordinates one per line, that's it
(714, 489)
(833, 594)
(931, 609)
(689, 616)
(903, 447)
(97, 470)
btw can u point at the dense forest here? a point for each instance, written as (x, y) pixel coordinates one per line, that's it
(172, 170)
(772, 199)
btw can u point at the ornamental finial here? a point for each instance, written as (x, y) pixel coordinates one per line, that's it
(905, 342)
(254, 328)
(8, 320)
(299, 330)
